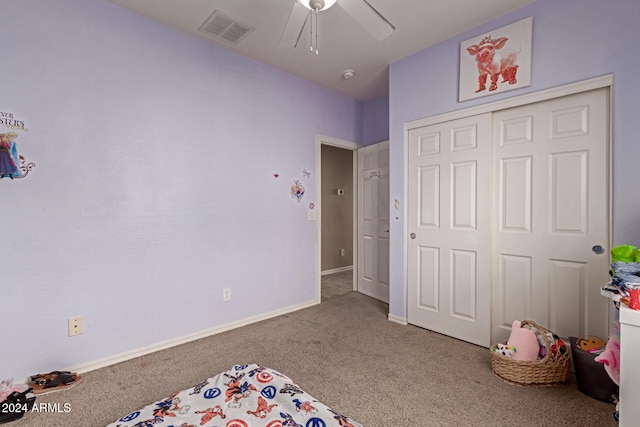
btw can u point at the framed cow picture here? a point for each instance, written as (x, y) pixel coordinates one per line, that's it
(496, 61)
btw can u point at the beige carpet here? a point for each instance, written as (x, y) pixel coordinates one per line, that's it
(345, 353)
(336, 284)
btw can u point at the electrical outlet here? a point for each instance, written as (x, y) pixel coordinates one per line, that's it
(76, 326)
(226, 294)
(341, 252)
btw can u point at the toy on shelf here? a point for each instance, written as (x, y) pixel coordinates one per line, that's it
(634, 299)
(625, 271)
(625, 253)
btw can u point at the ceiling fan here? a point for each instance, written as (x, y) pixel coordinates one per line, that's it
(360, 10)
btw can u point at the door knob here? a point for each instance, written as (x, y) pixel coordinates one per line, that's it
(412, 235)
(597, 249)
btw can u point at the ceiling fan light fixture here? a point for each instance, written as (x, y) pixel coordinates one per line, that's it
(319, 4)
(315, 6)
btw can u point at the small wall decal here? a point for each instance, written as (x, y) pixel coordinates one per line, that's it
(276, 175)
(297, 190)
(396, 204)
(306, 173)
(12, 164)
(311, 205)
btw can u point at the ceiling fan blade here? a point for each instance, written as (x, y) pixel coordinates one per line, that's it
(370, 19)
(294, 26)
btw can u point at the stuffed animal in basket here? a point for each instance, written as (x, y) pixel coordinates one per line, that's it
(525, 342)
(558, 347)
(504, 350)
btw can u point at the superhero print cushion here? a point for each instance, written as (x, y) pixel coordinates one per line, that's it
(243, 396)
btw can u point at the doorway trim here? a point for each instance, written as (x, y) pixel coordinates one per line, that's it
(347, 145)
(605, 81)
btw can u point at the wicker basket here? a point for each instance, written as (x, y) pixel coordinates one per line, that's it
(546, 372)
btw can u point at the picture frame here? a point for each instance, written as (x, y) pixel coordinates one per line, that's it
(496, 61)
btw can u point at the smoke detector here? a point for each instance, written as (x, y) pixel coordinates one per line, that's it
(347, 74)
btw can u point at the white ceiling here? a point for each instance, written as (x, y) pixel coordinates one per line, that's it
(342, 42)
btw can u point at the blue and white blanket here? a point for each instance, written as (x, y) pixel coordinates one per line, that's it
(244, 396)
(625, 273)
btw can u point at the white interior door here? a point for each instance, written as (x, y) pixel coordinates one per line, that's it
(551, 210)
(373, 221)
(449, 250)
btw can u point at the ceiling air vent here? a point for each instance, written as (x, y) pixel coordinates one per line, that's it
(223, 27)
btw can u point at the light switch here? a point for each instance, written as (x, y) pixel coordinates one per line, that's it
(312, 215)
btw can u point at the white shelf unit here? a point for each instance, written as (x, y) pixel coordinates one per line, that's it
(629, 366)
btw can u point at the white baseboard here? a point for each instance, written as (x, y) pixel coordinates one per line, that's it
(336, 270)
(397, 319)
(122, 357)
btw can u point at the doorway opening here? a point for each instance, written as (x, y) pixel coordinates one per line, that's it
(337, 249)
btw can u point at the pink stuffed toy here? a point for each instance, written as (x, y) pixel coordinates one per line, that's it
(611, 359)
(525, 342)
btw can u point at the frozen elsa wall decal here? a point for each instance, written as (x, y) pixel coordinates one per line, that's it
(9, 159)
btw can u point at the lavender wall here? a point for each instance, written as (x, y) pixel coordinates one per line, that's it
(153, 187)
(573, 40)
(375, 127)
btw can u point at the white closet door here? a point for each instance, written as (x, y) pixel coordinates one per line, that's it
(551, 214)
(449, 205)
